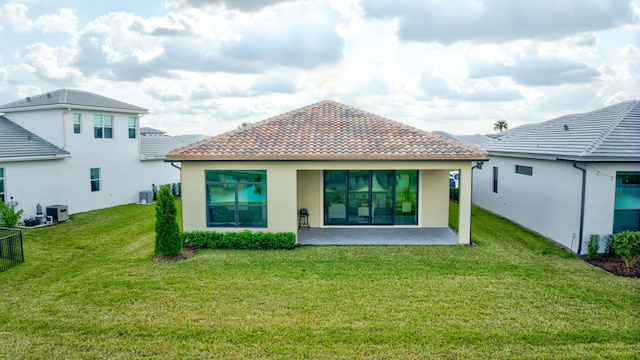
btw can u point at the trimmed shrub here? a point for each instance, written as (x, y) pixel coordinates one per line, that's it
(9, 217)
(608, 244)
(593, 246)
(626, 244)
(240, 240)
(168, 238)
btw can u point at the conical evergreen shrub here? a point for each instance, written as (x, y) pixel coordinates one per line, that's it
(168, 238)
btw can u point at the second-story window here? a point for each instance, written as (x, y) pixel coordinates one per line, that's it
(77, 123)
(103, 126)
(132, 127)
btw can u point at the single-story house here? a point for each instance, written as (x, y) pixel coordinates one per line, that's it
(569, 177)
(347, 167)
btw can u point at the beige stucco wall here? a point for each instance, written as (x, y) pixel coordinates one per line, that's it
(433, 198)
(281, 194)
(295, 184)
(310, 194)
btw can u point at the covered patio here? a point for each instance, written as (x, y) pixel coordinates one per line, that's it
(377, 236)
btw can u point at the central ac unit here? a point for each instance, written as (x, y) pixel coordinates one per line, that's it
(146, 197)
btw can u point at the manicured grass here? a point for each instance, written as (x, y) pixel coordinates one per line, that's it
(89, 289)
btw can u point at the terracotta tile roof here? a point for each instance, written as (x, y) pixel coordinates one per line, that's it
(326, 131)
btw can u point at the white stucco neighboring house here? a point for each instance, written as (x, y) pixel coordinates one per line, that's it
(75, 148)
(569, 177)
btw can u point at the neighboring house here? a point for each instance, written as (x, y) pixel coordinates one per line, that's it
(475, 139)
(75, 148)
(569, 177)
(346, 166)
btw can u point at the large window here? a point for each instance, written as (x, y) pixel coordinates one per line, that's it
(103, 126)
(626, 214)
(236, 198)
(2, 193)
(94, 173)
(77, 123)
(370, 197)
(132, 127)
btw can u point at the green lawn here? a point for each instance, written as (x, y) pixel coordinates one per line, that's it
(89, 289)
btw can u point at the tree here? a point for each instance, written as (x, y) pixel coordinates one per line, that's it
(500, 125)
(168, 237)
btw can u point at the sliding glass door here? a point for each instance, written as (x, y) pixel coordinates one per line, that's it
(358, 199)
(370, 197)
(382, 184)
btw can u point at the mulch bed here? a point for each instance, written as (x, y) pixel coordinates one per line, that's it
(187, 252)
(614, 265)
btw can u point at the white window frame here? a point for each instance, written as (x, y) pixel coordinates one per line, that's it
(78, 117)
(95, 180)
(134, 127)
(102, 127)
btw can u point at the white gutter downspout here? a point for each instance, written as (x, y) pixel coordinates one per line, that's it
(64, 128)
(139, 135)
(584, 183)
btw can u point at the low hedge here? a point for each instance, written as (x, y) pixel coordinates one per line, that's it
(240, 240)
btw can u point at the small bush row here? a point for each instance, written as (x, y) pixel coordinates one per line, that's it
(625, 244)
(240, 240)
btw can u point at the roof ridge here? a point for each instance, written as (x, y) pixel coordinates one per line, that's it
(612, 126)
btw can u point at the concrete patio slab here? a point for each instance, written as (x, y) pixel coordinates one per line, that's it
(377, 236)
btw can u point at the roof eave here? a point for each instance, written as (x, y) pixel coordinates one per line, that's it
(228, 159)
(35, 158)
(73, 106)
(564, 157)
(601, 159)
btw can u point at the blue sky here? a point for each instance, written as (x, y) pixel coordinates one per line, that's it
(206, 66)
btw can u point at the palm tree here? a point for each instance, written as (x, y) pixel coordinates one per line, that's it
(501, 125)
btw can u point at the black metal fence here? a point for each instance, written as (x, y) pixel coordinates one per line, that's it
(11, 251)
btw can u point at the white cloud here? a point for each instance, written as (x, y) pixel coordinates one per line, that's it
(484, 21)
(536, 71)
(14, 15)
(435, 86)
(278, 83)
(293, 35)
(51, 63)
(242, 5)
(208, 65)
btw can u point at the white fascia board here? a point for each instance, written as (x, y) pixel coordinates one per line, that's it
(73, 107)
(34, 158)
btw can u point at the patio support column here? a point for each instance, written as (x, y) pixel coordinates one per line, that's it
(464, 216)
(282, 198)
